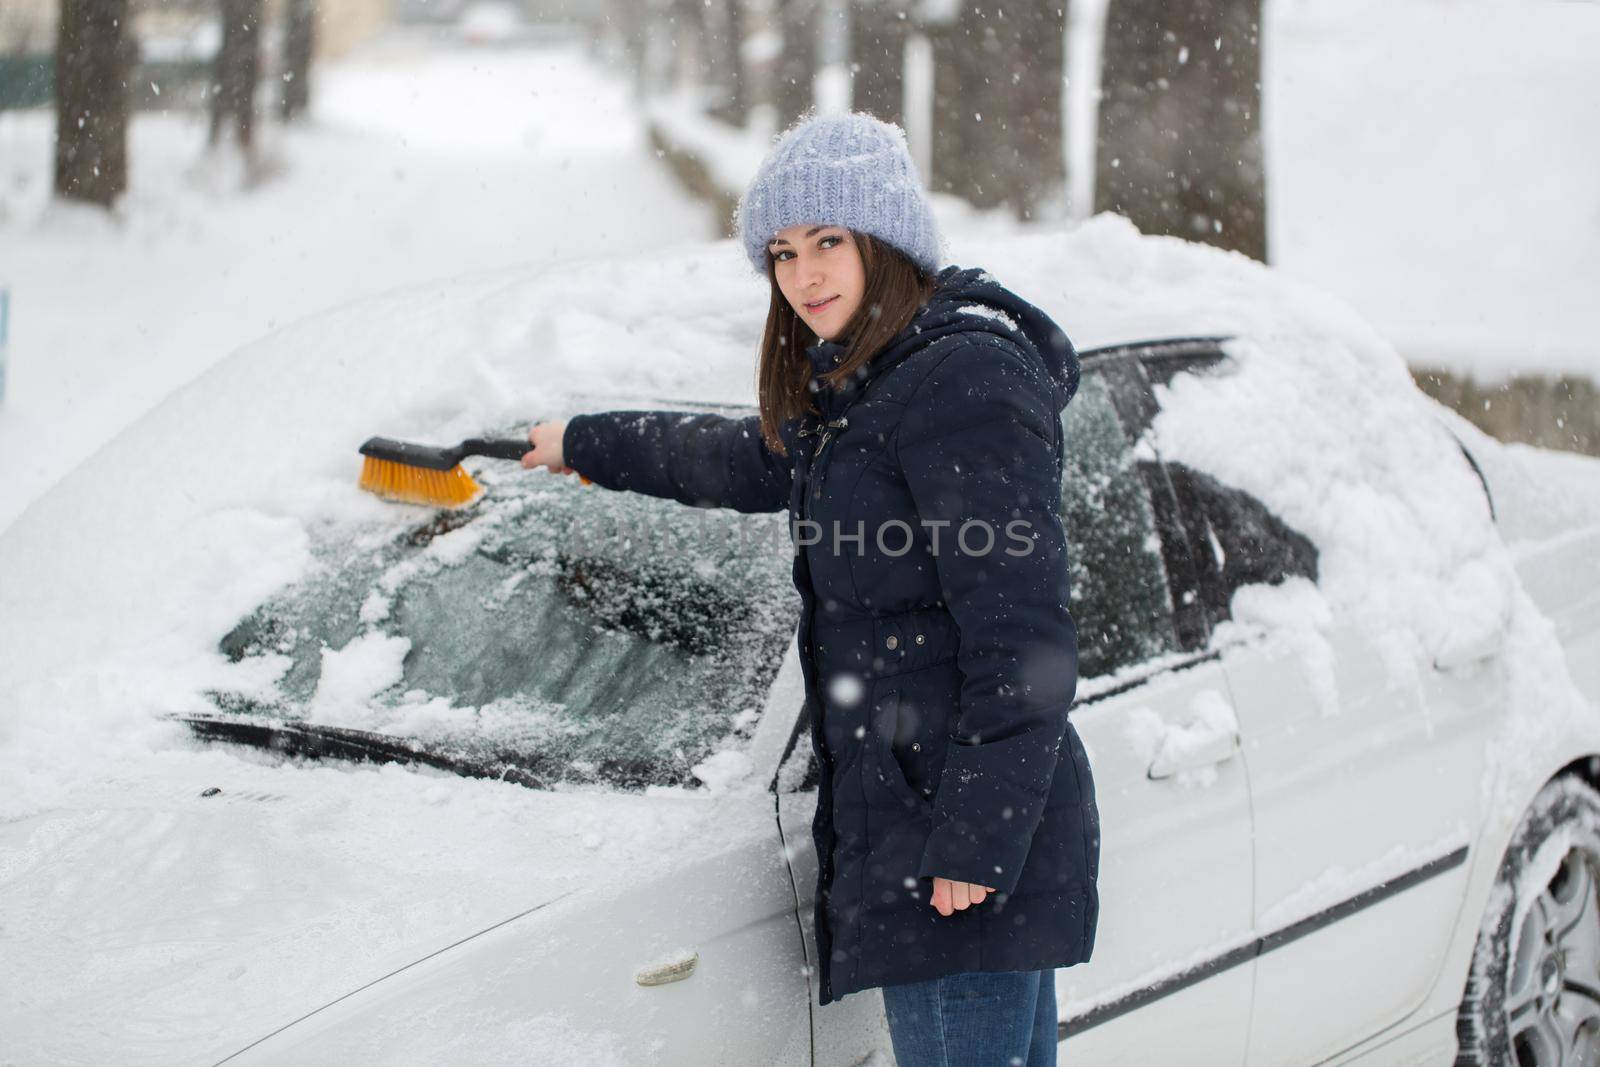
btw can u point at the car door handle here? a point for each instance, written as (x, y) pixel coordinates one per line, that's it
(675, 968)
(1192, 746)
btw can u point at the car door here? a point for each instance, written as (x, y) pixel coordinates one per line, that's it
(1168, 980)
(850, 1030)
(1171, 973)
(1170, 976)
(1364, 771)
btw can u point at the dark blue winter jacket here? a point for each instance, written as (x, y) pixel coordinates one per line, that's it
(939, 655)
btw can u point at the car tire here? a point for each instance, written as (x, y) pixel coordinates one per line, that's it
(1533, 992)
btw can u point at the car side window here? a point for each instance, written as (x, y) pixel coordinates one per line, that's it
(1245, 544)
(1121, 599)
(1230, 539)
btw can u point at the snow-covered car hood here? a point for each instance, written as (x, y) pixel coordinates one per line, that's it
(161, 924)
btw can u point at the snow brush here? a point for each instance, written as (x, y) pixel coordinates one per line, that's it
(428, 474)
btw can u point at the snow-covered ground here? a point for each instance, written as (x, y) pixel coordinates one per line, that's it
(418, 163)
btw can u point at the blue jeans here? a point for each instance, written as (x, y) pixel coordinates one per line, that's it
(979, 1019)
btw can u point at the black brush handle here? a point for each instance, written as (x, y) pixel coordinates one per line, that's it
(496, 448)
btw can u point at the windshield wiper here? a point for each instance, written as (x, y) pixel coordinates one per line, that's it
(533, 770)
(339, 742)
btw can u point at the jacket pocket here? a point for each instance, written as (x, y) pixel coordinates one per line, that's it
(900, 752)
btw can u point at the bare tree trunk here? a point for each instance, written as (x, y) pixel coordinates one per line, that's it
(1034, 46)
(94, 60)
(630, 20)
(798, 64)
(947, 157)
(299, 41)
(689, 42)
(728, 62)
(1179, 144)
(739, 101)
(878, 32)
(238, 68)
(660, 68)
(967, 148)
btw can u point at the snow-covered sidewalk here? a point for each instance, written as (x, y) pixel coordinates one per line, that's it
(418, 163)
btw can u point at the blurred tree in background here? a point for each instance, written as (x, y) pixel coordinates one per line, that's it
(1179, 140)
(999, 84)
(630, 23)
(299, 42)
(93, 61)
(237, 70)
(97, 62)
(726, 27)
(957, 118)
(879, 30)
(798, 66)
(1030, 44)
(690, 42)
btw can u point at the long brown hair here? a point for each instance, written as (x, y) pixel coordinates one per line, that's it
(895, 289)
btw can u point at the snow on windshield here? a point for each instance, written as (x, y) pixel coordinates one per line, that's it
(575, 633)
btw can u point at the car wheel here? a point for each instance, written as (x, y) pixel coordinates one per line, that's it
(1533, 994)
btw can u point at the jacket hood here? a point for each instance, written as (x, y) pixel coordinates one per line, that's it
(968, 299)
(971, 299)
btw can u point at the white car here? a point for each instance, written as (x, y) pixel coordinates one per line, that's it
(530, 782)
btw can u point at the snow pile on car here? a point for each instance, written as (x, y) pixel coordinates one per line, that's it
(119, 583)
(1316, 416)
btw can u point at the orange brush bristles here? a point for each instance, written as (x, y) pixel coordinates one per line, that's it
(418, 485)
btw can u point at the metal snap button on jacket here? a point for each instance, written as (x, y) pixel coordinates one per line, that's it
(892, 641)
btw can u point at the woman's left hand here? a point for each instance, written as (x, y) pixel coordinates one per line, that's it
(951, 896)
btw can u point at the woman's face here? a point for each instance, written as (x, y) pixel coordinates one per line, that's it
(819, 271)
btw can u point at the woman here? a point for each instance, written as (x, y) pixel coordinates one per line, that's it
(910, 422)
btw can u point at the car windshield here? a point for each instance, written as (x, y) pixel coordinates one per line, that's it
(578, 634)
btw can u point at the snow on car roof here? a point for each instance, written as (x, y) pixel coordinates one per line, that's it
(119, 582)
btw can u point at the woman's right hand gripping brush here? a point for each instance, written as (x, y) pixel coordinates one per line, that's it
(546, 451)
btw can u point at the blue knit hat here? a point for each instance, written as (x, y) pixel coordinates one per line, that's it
(848, 170)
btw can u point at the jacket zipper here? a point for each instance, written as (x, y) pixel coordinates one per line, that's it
(813, 479)
(814, 488)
